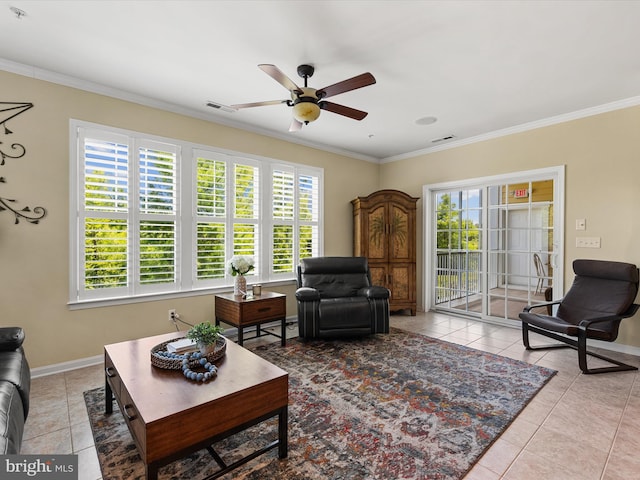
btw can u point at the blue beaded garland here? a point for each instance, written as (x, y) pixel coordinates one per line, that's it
(211, 369)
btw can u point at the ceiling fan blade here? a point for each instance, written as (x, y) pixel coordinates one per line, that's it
(257, 104)
(342, 110)
(296, 126)
(275, 73)
(354, 83)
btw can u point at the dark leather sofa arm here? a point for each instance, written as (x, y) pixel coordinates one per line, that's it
(11, 338)
(374, 292)
(307, 294)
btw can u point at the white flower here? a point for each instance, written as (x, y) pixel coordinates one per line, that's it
(239, 265)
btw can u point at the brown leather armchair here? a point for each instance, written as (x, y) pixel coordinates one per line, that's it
(602, 295)
(335, 298)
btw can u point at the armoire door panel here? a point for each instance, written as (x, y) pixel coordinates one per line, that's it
(400, 281)
(378, 274)
(399, 232)
(377, 240)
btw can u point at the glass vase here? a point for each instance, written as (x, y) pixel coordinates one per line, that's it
(240, 285)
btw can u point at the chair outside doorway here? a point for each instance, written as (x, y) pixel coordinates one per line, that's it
(540, 272)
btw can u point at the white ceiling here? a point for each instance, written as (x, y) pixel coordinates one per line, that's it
(480, 67)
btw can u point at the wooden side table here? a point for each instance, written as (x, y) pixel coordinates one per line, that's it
(243, 312)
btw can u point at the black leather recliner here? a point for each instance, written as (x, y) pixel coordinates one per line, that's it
(15, 383)
(335, 298)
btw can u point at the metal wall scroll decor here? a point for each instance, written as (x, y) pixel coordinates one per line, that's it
(9, 110)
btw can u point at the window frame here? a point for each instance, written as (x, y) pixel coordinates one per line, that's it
(296, 222)
(187, 218)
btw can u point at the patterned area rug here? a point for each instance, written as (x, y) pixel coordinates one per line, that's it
(397, 406)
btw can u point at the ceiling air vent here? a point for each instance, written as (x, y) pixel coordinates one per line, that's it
(443, 139)
(219, 106)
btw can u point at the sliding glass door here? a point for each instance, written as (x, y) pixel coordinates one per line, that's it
(493, 243)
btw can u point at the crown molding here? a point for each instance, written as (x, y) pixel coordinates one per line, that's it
(566, 117)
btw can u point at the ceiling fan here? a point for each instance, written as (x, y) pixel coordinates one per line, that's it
(307, 102)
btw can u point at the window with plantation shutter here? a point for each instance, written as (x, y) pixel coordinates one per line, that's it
(246, 191)
(295, 218)
(308, 215)
(283, 209)
(152, 216)
(211, 214)
(157, 215)
(246, 216)
(128, 216)
(104, 221)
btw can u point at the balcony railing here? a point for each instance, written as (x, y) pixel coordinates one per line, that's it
(458, 275)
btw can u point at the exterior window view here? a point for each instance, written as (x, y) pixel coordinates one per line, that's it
(319, 240)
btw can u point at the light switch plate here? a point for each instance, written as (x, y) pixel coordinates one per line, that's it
(588, 242)
(581, 224)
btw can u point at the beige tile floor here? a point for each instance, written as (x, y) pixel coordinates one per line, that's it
(579, 427)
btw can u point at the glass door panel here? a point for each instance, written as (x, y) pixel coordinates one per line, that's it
(458, 264)
(520, 228)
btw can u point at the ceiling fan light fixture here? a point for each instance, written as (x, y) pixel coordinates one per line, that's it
(306, 111)
(307, 102)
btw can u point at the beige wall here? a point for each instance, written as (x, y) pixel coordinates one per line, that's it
(35, 258)
(601, 154)
(602, 182)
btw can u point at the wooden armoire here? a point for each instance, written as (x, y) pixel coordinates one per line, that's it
(384, 231)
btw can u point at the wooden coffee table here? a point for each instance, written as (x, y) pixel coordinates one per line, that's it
(170, 417)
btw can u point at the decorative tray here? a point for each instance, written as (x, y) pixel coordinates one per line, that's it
(160, 359)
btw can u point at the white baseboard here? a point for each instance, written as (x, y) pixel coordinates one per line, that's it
(615, 347)
(66, 366)
(98, 359)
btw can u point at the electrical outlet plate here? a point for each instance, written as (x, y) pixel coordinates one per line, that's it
(171, 314)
